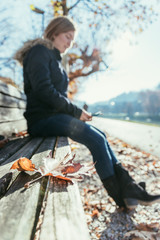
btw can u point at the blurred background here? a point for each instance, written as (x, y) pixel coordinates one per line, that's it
(114, 65)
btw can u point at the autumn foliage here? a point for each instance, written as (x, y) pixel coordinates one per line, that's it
(23, 164)
(89, 54)
(64, 168)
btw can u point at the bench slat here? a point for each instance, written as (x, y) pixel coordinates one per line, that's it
(11, 114)
(26, 151)
(64, 214)
(12, 147)
(11, 102)
(7, 128)
(18, 209)
(11, 90)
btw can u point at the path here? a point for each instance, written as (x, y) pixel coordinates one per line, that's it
(142, 136)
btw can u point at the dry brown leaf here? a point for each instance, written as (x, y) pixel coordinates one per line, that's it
(3, 143)
(142, 235)
(72, 169)
(21, 134)
(148, 227)
(23, 164)
(64, 168)
(95, 213)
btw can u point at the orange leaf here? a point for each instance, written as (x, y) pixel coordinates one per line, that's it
(95, 213)
(148, 227)
(23, 164)
(64, 178)
(72, 169)
(61, 177)
(49, 174)
(21, 134)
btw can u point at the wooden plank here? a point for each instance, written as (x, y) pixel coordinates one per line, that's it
(10, 114)
(11, 102)
(63, 213)
(26, 151)
(7, 128)
(18, 209)
(11, 90)
(12, 147)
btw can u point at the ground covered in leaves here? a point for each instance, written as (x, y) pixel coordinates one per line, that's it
(104, 219)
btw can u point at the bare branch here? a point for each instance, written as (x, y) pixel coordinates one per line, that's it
(74, 5)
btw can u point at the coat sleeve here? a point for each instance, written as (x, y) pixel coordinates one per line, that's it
(42, 86)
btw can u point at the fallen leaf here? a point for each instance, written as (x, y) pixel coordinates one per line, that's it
(23, 164)
(21, 134)
(63, 168)
(142, 235)
(148, 227)
(95, 213)
(72, 169)
(3, 142)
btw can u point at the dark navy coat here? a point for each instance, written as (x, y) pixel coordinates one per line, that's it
(45, 85)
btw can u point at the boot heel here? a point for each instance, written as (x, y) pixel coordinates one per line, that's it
(131, 203)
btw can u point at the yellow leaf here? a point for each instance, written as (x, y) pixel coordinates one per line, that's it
(32, 7)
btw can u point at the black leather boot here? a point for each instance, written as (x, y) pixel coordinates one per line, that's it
(112, 186)
(133, 193)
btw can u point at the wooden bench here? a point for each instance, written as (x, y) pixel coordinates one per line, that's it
(50, 208)
(12, 106)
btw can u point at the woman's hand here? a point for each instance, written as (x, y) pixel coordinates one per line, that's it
(85, 116)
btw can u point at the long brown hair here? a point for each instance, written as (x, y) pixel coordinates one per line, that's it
(58, 25)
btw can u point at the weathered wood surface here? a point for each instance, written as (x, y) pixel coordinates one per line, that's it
(10, 114)
(63, 214)
(12, 107)
(18, 208)
(11, 91)
(7, 128)
(11, 102)
(26, 151)
(12, 147)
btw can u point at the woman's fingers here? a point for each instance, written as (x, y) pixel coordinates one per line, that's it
(85, 116)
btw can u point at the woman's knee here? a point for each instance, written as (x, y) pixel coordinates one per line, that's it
(97, 139)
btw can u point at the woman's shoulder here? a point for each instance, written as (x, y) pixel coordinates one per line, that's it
(35, 45)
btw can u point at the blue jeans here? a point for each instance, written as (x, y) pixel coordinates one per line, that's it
(79, 131)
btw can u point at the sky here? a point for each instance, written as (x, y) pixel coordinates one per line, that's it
(133, 67)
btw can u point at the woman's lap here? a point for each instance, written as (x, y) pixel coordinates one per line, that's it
(77, 130)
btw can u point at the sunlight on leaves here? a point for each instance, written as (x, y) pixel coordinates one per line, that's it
(63, 168)
(23, 164)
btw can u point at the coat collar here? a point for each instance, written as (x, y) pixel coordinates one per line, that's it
(21, 52)
(57, 54)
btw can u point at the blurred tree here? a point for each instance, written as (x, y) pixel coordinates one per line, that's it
(99, 22)
(5, 29)
(158, 86)
(151, 102)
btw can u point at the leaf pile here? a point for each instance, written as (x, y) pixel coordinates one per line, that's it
(105, 221)
(64, 168)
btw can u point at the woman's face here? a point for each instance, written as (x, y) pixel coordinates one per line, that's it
(63, 41)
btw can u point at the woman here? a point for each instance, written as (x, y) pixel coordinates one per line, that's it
(50, 113)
